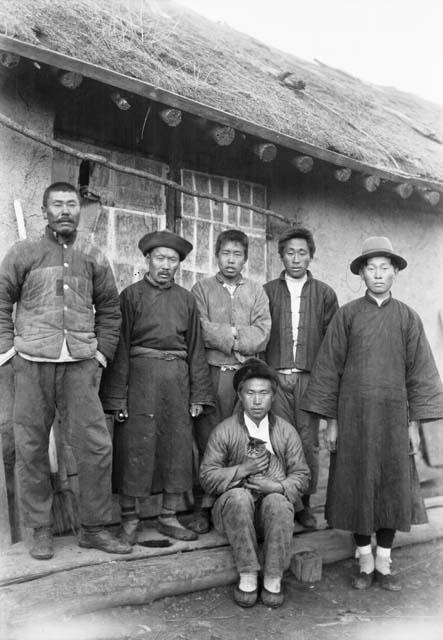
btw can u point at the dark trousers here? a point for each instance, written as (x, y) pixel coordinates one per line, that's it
(242, 520)
(384, 537)
(225, 402)
(287, 405)
(72, 388)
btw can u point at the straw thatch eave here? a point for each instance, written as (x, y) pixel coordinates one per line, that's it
(182, 53)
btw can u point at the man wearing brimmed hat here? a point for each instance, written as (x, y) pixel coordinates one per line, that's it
(159, 380)
(251, 499)
(375, 379)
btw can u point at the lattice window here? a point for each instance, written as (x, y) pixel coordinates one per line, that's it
(202, 220)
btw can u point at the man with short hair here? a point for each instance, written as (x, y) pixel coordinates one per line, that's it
(235, 321)
(66, 326)
(255, 492)
(159, 380)
(375, 379)
(301, 309)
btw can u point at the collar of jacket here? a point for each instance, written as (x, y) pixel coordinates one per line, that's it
(219, 278)
(309, 276)
(149, 280)
(372, 300)
(241, 418)
(52, 236)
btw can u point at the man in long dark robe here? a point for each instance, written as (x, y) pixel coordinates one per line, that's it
(158, 380)
(375, 379)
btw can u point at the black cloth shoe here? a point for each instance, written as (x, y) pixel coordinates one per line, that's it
(306, 518)
(200, 522)
(271, 599)
(43, 547)
(245, 598)
(363, 580)
(172, 531)
(387, 581)
(102, 539)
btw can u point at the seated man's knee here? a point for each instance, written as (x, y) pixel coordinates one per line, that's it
(275, 504)
(239, 497)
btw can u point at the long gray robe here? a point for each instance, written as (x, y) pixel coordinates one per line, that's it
(374, 372)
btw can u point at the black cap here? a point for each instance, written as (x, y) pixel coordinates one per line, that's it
(165, 238)
(253, 368)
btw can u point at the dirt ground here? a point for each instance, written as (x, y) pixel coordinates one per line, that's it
(326, 610)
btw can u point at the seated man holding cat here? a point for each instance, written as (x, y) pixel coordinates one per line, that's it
(255, 483)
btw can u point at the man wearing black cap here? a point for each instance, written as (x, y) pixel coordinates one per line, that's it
(374, 379)
(158, 381)
(255, 488)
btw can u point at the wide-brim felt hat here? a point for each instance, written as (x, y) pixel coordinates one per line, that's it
(253, 368)
(167, 239)
(377, 246)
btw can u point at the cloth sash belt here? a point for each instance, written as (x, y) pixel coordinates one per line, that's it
(158, 354)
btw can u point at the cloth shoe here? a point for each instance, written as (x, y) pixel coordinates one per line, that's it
(271, 599)
(306, 518)
(169, 526)
(43, 547)
(200, 522)
(387, 581)
(102, 539)
(245, 598)
(363, 580)
(128, 531)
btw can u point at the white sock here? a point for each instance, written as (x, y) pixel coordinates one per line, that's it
(383, 560)
(366, 559)
(248, 581)
(272, 584)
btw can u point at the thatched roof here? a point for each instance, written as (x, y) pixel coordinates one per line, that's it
(175, 49)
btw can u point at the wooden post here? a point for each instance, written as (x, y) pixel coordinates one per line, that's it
(5, 525)
(370, 183)
(70, 79)
(431, 197)
(223, 136)
(20, 218)
(343, 174)
(404, 190)
(304, 164)
(171, 117)
(306, 566)
(266, 151)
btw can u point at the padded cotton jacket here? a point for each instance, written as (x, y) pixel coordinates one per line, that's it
(62, 291)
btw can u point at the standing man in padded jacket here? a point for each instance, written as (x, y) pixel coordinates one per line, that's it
(66, 327)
